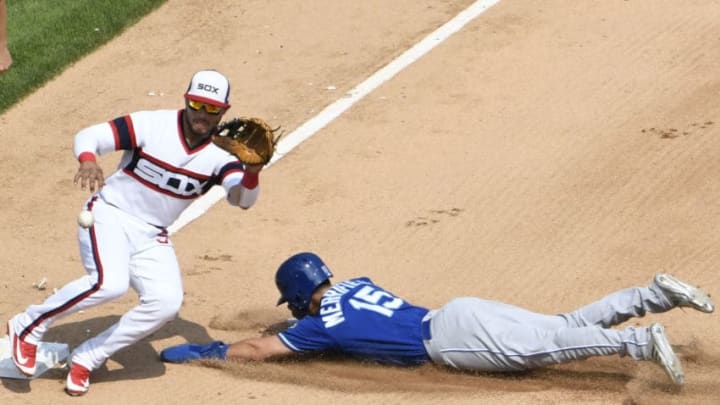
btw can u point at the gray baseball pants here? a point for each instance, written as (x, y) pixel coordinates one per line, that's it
(476, 334)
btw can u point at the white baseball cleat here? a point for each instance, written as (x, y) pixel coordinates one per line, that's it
(663, 354)
(683, 294)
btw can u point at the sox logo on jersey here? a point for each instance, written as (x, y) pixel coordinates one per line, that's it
(172, 181)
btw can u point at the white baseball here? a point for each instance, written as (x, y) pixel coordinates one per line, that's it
(85, 219)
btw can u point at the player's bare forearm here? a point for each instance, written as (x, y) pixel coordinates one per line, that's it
(5, 57)
(258, 349)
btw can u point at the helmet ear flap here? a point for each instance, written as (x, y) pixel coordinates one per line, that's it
(298, 302)
(299, 307)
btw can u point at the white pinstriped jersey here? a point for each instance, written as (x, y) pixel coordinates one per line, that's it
(159, 175)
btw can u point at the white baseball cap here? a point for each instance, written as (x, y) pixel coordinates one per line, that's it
(209, 86)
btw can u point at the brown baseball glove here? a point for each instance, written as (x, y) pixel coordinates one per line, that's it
(252, 140)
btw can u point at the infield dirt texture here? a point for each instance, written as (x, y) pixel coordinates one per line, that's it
(547, 154)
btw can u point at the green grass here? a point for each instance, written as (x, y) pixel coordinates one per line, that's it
(47, 36)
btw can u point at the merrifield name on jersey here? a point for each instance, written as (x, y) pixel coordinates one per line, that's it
(330, 307)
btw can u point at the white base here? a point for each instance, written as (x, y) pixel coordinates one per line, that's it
(49, 355)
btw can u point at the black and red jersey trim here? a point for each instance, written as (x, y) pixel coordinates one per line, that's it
(124, 132)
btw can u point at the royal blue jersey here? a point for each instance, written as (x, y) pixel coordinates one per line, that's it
(361, 319)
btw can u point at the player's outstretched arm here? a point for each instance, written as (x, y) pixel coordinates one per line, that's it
(256, 349)
(91, 142)
(261, 348)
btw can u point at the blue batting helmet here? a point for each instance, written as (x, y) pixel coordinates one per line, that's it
(297, 278)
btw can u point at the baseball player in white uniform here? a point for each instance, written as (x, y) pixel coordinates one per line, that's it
(168, 161)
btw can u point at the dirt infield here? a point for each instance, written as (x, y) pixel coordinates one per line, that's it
(548, 153)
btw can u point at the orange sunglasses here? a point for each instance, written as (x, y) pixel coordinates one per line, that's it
(197, 105)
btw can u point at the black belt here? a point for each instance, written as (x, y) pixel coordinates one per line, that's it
(425, 330)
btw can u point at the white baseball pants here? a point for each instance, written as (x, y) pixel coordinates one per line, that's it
(118, 251)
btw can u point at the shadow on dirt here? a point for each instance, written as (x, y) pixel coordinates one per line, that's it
(138, 361)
